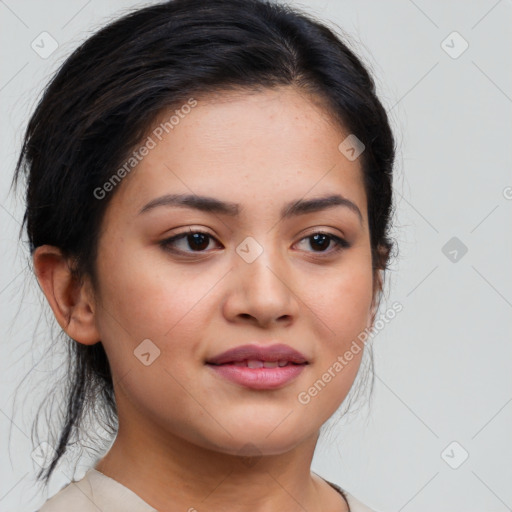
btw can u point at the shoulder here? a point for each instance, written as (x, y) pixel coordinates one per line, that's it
(77, 496)
(93, 493)
(355, 505)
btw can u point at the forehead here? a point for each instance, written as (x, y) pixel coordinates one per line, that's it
(269, 146)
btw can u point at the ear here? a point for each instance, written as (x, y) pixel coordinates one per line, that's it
(71, 300)
(378, 280)
(377, 288)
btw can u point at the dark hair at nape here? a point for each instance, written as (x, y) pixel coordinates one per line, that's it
(106, 95)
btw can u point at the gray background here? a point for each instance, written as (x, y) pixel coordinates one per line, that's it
(443, 364)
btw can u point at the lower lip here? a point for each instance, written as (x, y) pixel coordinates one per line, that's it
(259, 378)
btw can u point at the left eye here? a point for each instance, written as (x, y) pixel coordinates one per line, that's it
(194, 239)
(323, 241)
(198, 241)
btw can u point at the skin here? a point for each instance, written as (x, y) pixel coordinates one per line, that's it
(182, 428)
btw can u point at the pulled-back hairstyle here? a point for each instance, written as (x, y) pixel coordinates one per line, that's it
(105, 97)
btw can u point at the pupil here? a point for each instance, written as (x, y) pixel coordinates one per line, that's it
(323, 244)
(197, 239)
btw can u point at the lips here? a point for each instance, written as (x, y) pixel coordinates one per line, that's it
(259, 367)
(256, 356)
(257, 363)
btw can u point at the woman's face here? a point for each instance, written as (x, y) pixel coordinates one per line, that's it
(256, 277)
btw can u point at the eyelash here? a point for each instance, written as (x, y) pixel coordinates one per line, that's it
(167, 244)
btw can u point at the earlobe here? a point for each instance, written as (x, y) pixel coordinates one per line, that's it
(377, 289)
(70, 300)
(378, 280)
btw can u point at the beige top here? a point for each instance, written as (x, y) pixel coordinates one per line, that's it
(96, 492)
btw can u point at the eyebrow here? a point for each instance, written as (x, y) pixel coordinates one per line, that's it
(213, 205)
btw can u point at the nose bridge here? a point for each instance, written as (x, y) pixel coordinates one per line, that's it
(260, 261)
(262, 273)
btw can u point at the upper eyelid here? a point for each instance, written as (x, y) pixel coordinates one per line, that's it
(335, 238)
(314, 230)
(201, 231)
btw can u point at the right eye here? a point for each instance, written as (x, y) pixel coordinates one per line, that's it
(194, 241)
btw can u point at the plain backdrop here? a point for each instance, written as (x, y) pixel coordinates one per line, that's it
(436, 434)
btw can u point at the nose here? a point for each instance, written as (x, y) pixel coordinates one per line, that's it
(261, 292)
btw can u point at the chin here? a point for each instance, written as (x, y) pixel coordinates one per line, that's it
(256, 439)
(247, 447)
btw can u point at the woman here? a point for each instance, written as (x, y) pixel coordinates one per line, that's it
(208, 208)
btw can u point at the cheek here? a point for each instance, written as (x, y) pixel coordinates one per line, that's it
(145, 297)
(344, 307)
(342, 301)
(350, 300)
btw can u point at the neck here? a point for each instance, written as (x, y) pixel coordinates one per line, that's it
(172, 474)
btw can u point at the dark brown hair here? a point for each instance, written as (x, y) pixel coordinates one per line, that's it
(105, 96)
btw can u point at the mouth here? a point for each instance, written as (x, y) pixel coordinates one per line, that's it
(255, 354)
(259, 367)
(256, 363)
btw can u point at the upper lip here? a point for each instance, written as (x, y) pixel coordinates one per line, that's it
(253, 352)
